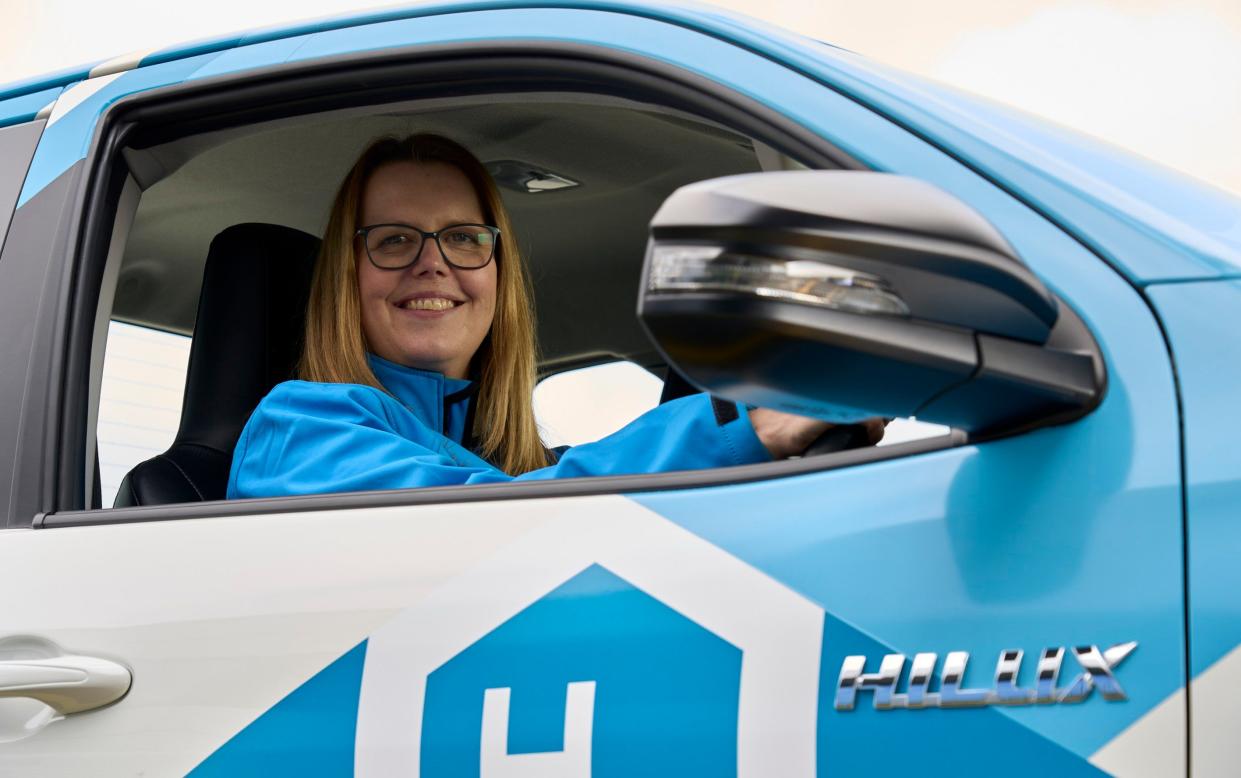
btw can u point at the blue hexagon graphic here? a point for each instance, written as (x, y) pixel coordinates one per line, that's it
(665, 690)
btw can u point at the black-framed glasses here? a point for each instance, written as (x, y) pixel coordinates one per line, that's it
(396, 246)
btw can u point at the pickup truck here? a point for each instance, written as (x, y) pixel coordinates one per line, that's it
(1047, 585)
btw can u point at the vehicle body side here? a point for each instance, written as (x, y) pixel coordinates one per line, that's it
(1066, 535)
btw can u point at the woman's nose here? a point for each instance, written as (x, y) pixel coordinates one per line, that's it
(429, 259)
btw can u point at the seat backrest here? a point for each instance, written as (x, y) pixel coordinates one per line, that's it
(676, 386)
(247, 338)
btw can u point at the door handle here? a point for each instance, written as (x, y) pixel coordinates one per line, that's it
(68, 683)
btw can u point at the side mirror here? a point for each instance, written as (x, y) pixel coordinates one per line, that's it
(842, 295)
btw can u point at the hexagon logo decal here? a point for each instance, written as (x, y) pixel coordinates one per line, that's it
(608, 643)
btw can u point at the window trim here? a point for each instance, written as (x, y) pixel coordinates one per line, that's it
(369, 79)
(519, 490)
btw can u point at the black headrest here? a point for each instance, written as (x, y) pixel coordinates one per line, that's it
(247, 339)
(248, 333)
(676, 386)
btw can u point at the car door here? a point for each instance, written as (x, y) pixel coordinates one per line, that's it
(689, 624)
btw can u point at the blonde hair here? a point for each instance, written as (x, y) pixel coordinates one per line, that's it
(335, 346)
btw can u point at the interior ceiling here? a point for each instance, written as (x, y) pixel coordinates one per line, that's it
(584, 245)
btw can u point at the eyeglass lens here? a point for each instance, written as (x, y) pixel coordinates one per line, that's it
(465, 245)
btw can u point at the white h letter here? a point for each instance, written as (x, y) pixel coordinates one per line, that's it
(572, 762)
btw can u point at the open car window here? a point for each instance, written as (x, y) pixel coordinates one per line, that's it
(581, 176)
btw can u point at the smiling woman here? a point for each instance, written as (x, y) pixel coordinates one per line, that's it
(359, 306)
(419, 361)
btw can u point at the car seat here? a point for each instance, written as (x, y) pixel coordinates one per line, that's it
(247, 339)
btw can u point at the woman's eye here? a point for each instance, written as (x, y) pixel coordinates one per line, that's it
(394, 240)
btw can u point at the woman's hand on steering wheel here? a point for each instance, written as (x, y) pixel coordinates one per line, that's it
(786, 435)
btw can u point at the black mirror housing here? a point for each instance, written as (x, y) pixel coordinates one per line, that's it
(843, 295)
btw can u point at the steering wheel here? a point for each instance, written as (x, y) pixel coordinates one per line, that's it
(842, 437)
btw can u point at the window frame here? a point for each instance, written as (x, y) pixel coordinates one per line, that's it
(370, 78)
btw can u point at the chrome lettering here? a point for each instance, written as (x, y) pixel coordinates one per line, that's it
(1097, 666)
(882, 684)
(1098, 672)
(1047, 674)
(951, 695)
(1007, 692)
(920, 674)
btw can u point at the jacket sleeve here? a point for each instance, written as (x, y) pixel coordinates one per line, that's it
(309, 438)
(690, 433)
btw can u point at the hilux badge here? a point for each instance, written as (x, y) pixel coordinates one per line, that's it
(1096, 672)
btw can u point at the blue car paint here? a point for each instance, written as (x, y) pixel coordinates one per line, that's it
(687, 14)
(16, 110)
(694, 16)
(56, 80)
(308, 733)
(1209, 370)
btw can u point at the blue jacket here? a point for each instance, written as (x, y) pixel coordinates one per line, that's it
(307, 438)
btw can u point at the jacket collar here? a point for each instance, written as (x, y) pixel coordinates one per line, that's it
(440, 403)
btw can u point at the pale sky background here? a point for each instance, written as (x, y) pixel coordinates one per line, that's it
(1160, 78)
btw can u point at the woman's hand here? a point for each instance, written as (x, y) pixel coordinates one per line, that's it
(786, 435)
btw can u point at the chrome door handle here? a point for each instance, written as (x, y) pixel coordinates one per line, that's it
(68, 683)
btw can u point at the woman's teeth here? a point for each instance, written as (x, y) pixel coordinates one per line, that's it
(429, 304)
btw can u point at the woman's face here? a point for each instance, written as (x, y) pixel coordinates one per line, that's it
(401, 315)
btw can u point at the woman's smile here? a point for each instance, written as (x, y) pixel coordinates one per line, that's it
(429, 304)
